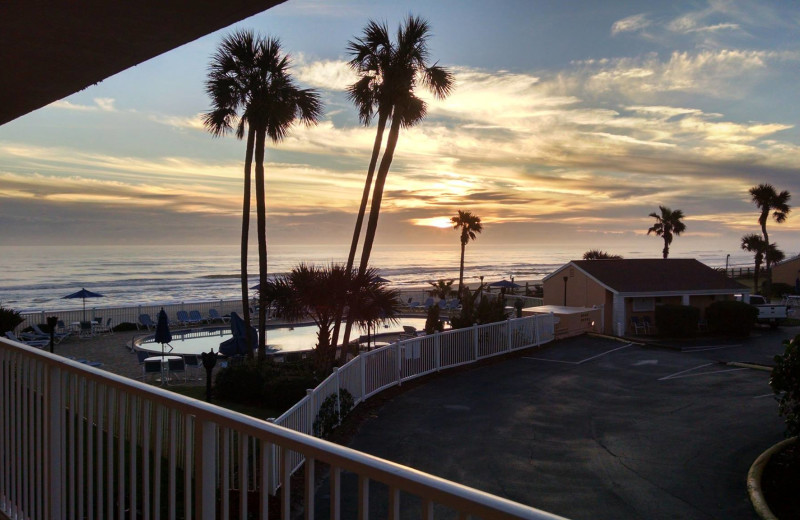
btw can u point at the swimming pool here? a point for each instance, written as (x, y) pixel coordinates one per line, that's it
(282, 339)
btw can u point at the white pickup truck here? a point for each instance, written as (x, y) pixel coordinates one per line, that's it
(772, 314)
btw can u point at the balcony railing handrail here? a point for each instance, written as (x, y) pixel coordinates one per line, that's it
(32, 383)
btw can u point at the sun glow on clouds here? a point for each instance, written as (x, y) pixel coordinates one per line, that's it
(437, 222)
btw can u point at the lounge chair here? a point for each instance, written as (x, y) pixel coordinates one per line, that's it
(442, 304)
(100, 327)
(214, 315)
(195, 317)
(39, 343)
(428, 303)
(58, 337)
(185, 319)
(146, 321)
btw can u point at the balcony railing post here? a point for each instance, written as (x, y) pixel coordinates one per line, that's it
(55, 427)
(475, 338)
(399, 359)
(437, 350)
(363, 367)
(508, 334)
(205, 449)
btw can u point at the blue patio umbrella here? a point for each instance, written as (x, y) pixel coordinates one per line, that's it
(83, 294)
(163, 335)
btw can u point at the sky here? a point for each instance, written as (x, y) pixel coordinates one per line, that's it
(569, 123)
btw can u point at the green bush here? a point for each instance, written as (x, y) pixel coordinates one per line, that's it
(267, 384)
(677, 320)
(9, 319)
(329, 417)
(731, 317)
(486, 311)
(785, 382)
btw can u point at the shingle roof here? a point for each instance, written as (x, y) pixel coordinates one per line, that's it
(657, 275)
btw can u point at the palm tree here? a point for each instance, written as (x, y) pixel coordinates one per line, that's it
(667, 224)
(596, 254)
(396, 69)
(271, 102)
(470, 226)
(768, 200)
(441, 288)
(227, 86)
(754, 243)
(321, 292)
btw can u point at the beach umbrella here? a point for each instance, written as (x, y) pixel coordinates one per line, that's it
(163, 335)
(381, 279)
(83, 294)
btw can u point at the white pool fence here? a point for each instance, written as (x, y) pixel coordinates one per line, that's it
(78, 442)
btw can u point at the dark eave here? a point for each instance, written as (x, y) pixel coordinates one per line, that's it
(49, 50)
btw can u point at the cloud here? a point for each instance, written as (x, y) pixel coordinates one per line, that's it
(102, 104)
(633, 23)
(327, 74)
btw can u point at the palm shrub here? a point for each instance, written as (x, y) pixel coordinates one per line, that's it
(331, 412)
(484, 311)
(731, 317)
(432, 322)
(677, 320)
(9, 319)
(785, 382)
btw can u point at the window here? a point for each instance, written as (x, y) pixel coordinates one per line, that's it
(644, 304)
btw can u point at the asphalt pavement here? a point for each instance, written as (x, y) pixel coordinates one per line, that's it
(593, 428)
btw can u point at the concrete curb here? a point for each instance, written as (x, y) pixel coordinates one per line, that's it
(765, 368)
(754, 480)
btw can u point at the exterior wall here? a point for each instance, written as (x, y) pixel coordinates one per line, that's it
(786, 272)
(582, 291)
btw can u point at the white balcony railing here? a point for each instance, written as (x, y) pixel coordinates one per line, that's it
(77, 442)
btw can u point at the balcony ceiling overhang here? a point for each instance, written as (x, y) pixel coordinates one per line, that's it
(49, 50)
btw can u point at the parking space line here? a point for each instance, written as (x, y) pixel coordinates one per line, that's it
(581, 361)
(684, 371)
(763, 396)
(706, 373)
(709, 347)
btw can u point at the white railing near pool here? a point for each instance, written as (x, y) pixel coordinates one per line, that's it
(77, 442)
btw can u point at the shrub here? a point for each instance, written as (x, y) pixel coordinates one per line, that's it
(731, 317)
(677, 320)
(779, 289)
(268, 384)
(785, 382)
(329, 417)
(9, 319)
(433, 323)
(486, 311)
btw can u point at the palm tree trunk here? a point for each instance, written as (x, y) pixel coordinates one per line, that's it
(261, 211)
(666, 249)
(376, 150)
(375, 208)
(461, 269)
(766, 258)
(248, 165)
(755, 279)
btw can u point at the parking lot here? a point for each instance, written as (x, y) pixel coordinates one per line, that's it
(593, 428)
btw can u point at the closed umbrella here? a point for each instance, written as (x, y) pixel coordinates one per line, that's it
(163, 335)
(83, 294)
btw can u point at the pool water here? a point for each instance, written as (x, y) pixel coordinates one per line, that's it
(282, 339)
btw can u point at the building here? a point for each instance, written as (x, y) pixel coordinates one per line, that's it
(787, 272)
(627, 288)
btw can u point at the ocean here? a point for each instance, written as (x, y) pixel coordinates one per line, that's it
(37, 277)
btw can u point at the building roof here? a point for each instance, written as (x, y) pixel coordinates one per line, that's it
(656, 275)
(52, 49)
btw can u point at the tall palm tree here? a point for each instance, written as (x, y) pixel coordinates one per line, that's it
(470, 226)
(227, 86)
(769, 201)
(398, 68)
(271, 103)
(667, 225)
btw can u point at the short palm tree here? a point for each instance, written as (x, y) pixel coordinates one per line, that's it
(596, 254)
(755, 244)
(441, 289)
(320, 293)
(769, 201)
(250, 74)
(390, 72)
(470, 226)
(668, 224)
